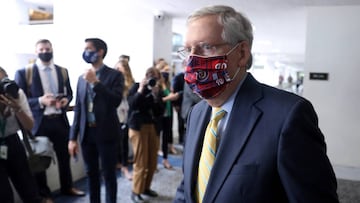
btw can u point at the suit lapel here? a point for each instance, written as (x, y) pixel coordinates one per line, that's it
(103, 73)
(36, 86)
(242, 120)
(102, 77)
(60, 79)
(83, 89)
(200, 118)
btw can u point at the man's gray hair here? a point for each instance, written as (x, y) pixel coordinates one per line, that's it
(237, 27)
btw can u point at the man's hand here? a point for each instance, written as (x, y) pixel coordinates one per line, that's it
(48, 100)
(73, 148)
(62, 103)
(9, 101)
(90, 76)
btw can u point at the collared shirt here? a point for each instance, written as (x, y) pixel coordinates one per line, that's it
(228, 106)
(46, 85)
(90, 96)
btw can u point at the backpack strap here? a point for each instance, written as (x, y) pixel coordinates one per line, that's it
(28, 76)
(64, 73)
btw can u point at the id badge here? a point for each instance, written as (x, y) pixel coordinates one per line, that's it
(90, 107)
(3, 152)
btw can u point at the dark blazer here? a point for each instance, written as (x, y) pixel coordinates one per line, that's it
(36, 91)
(189, 100)
(271, 151)
(178, 86)
(144, 109)
(108, 95)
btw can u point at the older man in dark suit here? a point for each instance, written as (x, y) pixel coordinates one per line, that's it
(261, 144)
(99, 93)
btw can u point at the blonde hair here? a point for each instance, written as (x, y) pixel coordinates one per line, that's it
(128, 77)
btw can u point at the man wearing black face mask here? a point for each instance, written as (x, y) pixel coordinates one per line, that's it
(49, 92)
(96, 126)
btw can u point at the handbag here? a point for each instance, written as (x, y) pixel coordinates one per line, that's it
(40, 151)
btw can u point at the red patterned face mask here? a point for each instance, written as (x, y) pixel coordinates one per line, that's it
(207, 76)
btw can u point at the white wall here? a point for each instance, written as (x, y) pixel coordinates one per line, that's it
(333, 46)
(163, 38)
(126, 30)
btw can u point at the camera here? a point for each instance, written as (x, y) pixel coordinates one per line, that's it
(9, 87)
(151, 82)
(159, 15)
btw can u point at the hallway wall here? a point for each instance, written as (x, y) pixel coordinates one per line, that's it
(127, 29)
(333, 46)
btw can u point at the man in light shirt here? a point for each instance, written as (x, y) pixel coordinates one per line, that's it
(49, 93)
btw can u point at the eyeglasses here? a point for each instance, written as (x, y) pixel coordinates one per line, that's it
(202, 49)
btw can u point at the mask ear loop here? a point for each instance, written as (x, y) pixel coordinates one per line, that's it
(228, 79)
(232, 49)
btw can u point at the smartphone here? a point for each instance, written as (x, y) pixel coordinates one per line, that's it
(59, 96)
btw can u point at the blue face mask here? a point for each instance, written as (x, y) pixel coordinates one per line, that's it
(90, 56)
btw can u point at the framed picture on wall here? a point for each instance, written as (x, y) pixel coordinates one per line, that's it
(40, 14)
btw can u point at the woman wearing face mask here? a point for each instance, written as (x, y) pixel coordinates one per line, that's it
(14, 108)
(146, 107)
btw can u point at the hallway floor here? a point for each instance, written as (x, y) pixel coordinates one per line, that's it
(164, 183)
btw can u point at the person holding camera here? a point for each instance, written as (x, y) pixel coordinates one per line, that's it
(49, 93)
(14, 108)
(145, 110)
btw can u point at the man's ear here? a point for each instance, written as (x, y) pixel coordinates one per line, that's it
(101, 53)
(244, 53)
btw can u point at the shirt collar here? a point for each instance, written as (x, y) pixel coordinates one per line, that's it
(41, 66)
(100, 70)
(227, 106)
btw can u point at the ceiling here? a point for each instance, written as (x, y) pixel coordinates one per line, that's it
(279, 25)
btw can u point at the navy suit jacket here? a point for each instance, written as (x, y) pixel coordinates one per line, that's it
(271, 151)
(108, 95)
(36, 91)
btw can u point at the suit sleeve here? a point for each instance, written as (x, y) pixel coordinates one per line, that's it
(304, 168)
(112, 93)
(180, 197)
(69, 93)
(75, 128)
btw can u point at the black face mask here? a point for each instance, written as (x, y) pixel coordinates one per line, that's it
(46, 57)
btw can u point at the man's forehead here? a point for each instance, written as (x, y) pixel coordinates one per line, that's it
(42, 46)
(204, 29)
(89, 45)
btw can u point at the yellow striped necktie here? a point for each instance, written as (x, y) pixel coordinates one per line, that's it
(208, 152)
